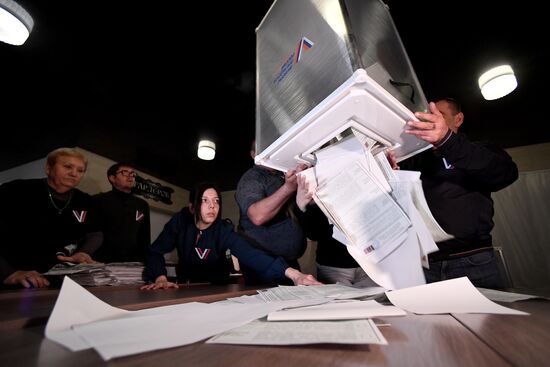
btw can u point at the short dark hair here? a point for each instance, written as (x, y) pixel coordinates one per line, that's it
(195, 198)
(115, 167)
(454, 103)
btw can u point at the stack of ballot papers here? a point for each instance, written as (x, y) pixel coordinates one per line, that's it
(100, 274)
(126, 272)
(380, 214)
(328, 291)
(336, 310)
(80, 321)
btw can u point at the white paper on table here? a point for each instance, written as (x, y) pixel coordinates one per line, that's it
(75, 305)
(261, 332)
(401, 269)
(448, 296)
(255, 298)
(325, 292)
(114, 332)
(336, 310)
(500, 296)
(190, 324)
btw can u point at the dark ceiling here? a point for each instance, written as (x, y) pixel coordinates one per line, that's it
(119, 78)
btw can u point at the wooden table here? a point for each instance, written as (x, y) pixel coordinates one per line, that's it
(413, 340)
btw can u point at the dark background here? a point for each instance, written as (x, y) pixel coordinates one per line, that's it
(119, 78)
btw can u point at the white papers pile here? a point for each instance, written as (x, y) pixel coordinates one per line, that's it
(316, 294)
(328, 292)
(501, 296)
(337, 310)
(126, 272)
(79, 320)
(101, 274)
(380, 214)
(261, 332)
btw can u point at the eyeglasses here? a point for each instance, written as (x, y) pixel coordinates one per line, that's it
(127, 173)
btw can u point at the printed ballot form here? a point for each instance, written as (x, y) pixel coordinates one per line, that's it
(380, 214)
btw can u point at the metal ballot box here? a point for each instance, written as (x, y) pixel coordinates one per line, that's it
(325, 66)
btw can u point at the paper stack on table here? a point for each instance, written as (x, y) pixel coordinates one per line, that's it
(99, 274)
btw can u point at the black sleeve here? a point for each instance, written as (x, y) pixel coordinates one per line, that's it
(269, 268)
(93, 238)
(165, 242)
(315, 223)
(6, 194)
(96, 216)
(144, 235)
(91, 242)
(5, 269)
(486, 165)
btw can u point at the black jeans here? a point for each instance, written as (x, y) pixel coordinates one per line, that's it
(481, 268)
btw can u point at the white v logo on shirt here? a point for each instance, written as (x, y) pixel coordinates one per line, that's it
(80, 216)
(447, 165)
(203, 253)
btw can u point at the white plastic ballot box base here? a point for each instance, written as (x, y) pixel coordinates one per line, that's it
(359, 103)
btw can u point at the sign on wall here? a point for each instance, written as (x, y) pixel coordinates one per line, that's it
(153, 190)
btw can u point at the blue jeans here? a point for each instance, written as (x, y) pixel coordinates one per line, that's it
(481, 268)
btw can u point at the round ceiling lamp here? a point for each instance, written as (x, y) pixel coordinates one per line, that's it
(15, 23)
(207, 150)
(497, 82)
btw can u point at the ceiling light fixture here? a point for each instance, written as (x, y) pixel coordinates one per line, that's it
(207, 150)
(15, 23)
(497, 82)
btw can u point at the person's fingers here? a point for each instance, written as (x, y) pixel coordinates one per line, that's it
(312, 281)
(36, 280)
(86, 260)
(25, 283)
(63, 258)
(421, 125)
(43, 282)
(162, 285)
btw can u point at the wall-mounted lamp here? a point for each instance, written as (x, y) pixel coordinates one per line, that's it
(497, 82)
(15, 23)
(207, 150)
